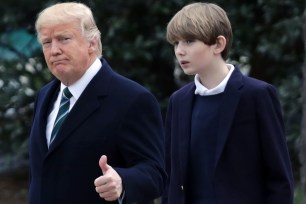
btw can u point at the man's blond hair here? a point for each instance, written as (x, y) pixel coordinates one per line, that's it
(69, 12)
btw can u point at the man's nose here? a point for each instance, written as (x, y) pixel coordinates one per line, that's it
(55, 48)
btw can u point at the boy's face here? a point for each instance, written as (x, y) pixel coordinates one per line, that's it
(194, 56)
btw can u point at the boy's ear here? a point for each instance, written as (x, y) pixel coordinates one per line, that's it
(220, 44)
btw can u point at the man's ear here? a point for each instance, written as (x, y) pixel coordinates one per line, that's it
(92, 46)
(220, 44)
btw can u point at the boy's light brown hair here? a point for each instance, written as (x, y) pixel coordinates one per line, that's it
(201, 21)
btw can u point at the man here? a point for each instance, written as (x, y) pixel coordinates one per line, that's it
(96, 136)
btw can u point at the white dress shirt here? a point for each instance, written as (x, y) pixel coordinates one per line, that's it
(203, 91)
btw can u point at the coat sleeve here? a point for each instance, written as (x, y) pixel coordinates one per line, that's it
(142, 148)
(278, 170)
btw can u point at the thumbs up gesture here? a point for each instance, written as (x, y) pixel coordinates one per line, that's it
(109, 185)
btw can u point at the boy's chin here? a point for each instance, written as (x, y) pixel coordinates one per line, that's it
(189, 72)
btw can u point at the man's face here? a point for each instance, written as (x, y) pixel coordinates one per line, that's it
(67, 53)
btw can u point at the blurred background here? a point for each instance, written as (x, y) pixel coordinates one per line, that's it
(268, 45)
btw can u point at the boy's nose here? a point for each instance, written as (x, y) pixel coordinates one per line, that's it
(179, 49)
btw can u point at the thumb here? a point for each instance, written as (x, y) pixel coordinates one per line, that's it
(103, 164)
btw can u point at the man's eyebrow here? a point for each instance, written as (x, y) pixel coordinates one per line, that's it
(43, 38)
(61, 34)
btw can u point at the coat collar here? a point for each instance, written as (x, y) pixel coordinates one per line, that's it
(88, 102)
(228, 107)
(184, 126)
(43, 107)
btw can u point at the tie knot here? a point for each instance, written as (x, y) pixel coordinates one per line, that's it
(67, 93)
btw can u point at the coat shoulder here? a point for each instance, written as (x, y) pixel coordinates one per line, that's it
(186, 89)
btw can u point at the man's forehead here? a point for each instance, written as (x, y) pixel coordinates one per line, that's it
(58, 31)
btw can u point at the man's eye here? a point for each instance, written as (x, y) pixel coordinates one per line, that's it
(189, 41)
(65, 39)
(46, 43)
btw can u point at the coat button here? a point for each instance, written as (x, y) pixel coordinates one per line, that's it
(182, 187)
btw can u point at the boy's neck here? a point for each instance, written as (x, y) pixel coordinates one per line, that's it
(213, 76)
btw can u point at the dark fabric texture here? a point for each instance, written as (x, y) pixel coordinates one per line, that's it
(251, 160)
(115, 117)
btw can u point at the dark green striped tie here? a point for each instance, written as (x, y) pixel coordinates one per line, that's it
(62, 113)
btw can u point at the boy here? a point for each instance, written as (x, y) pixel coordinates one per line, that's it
(225, 137)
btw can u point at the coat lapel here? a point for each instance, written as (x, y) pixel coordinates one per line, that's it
(184, 124)
(44, 104)
(88, 102)
(228, 108)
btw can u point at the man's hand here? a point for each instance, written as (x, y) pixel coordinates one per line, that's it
(109, 185)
